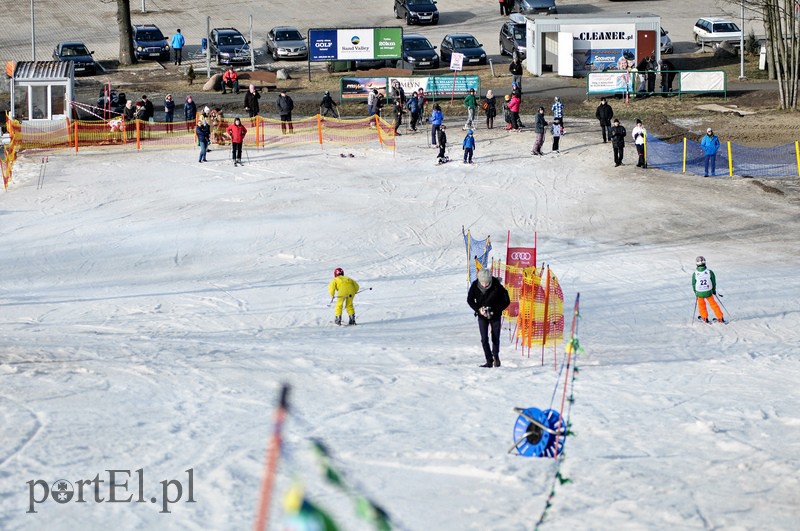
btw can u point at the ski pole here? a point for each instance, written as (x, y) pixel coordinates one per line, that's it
(719, 300)
(694, 310)
(345, 296)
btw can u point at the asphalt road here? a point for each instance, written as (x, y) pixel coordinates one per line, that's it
(94, 21)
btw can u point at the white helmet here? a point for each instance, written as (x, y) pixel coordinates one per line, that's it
(700, 261)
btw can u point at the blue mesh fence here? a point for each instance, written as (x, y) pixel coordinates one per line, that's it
(773, 162)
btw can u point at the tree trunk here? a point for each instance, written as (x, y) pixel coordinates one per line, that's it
(126, 53)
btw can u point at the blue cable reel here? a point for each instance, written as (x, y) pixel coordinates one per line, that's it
(536, 432)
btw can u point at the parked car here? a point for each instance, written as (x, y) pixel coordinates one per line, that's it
(368, 64)
(78, 53)
(418, 51)
(666, 42)
(229, 46)
(462, 43)
(149, 42)
(286, 42)
(512, 36)
(530, 7)
(417, 11)
(715, 30)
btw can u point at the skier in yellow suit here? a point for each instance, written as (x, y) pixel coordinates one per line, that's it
(347, 288)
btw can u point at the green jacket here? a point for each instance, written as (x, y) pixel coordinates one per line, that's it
(471, 102)
(704, 283)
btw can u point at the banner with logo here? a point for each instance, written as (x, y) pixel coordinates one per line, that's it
(358, 88)
(335, 44)
(601, 47)
(517, 259)
(439, 87)
(609, 83)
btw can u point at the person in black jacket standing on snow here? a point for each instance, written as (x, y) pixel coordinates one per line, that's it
(488, 297)
(604, 114)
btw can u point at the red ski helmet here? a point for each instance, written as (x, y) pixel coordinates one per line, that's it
(338, 271)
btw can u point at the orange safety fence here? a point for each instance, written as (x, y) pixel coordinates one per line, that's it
(137, 134)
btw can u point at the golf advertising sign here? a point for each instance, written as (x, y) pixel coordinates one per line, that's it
(355, 44)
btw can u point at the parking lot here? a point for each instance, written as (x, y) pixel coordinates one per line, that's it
(94, 22)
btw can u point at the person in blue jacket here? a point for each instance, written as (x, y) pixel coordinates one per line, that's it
(436, 120)
(710, 146)
(177, 43)
(469, 147)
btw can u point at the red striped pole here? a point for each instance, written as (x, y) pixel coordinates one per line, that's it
(271, 463)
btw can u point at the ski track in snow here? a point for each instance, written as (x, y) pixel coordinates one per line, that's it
(152, 307)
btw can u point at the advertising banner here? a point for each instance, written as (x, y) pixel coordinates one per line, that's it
(609, 83)
(709, 81)
(355, 44)
(517, 258)
(601, 47)
(439, 87)
(358, 88)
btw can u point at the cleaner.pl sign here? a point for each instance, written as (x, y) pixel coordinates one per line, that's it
(355, 44)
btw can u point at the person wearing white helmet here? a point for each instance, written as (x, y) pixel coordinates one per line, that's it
(346, 288)
(488, 298)
(704, 284)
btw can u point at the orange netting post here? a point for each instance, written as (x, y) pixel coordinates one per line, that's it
(378, 128)
(258, 130)
(546, 314)
(76, 136)
(138, 135)
(319, 128)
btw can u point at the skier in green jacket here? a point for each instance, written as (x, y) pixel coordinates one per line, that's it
(704, 284)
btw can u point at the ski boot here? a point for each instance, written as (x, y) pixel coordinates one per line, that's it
(352, 320)
(337, 320)
(496, 361)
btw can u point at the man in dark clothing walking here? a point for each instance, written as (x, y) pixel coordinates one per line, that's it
(488, 297)
(617, 136)
(604, 114)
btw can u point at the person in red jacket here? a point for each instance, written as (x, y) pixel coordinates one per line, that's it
(230, 80)
(513, 106)
(237, 131)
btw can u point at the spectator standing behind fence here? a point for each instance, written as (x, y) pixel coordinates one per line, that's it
(516, 70)
(129, 113)
(203, 132)
(372, 103)
(436, 119)
(421, 102)
(617, 135)
(639, 135)
(237, 132)
(490, 108)
(149, 110)
(647, 68)
(604, 114)
(285, 105)
(539, 125)
(710, 145)
(251, 101)
(667, 75)
(471, 103)
(177, 43)
(189, 112)
(169, 112)
(397, 112)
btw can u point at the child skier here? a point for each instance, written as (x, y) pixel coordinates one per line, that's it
(704, 284)
(507, 113)
(347, 288)
(557, 130)
(469, 147)
(441, 140)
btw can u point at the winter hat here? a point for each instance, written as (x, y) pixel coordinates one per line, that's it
(556, 99)
(206, 109)
(489, 93)
(507, 97)
(638, 121)
(616, 120)
(709, 130)
(327, 92)
(484, 276)
(442, 126)
(469, 132)
(700, 261)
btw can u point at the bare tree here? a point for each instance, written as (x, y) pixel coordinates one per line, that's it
(126, 52)
(782, 26)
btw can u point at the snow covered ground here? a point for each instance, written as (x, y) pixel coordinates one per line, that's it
(151, 307)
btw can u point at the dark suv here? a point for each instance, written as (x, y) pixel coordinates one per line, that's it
(229, 46)
(149, 42)
(417, 11)
(512, 37)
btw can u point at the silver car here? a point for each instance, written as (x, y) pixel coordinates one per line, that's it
(286, 42)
